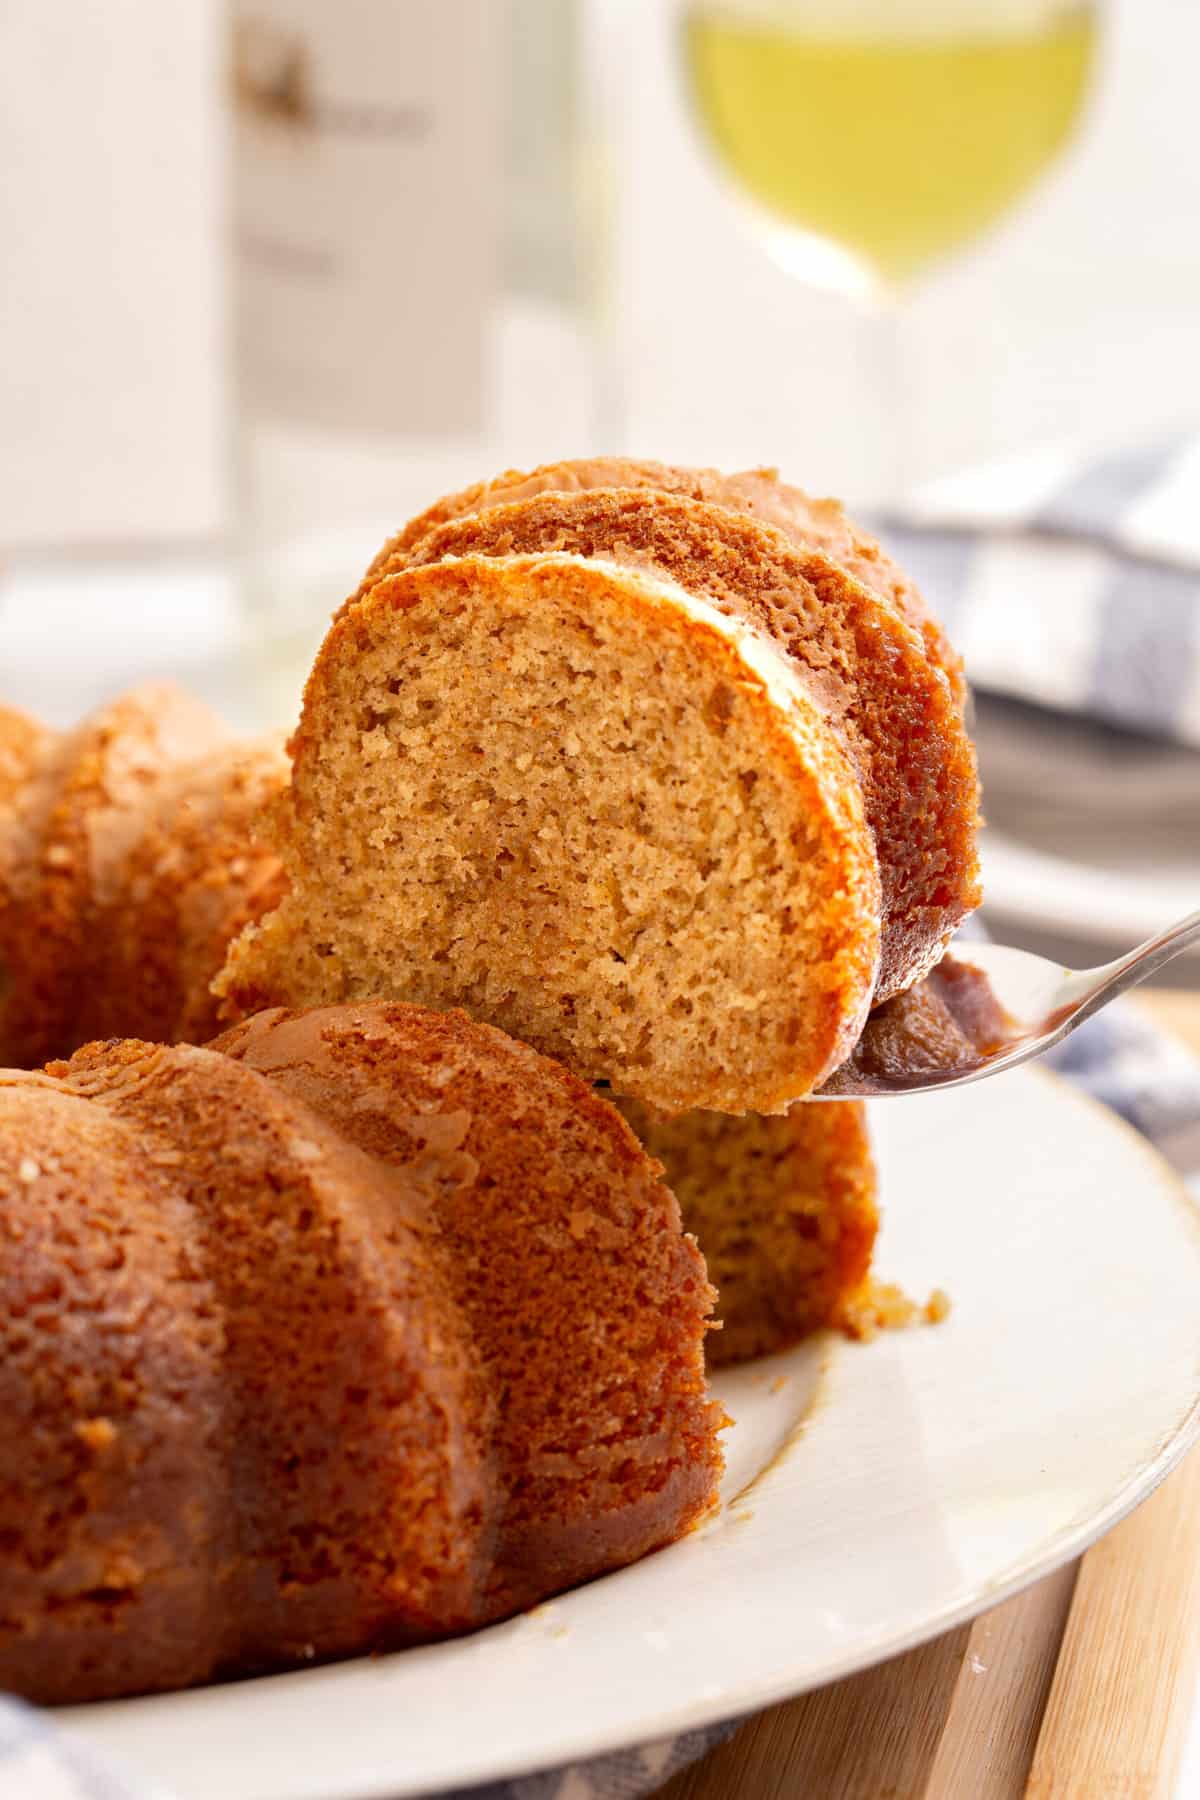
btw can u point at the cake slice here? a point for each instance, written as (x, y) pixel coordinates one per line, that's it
(861, 663)
(589, 806)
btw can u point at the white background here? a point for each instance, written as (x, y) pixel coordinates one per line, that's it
(1080, 317)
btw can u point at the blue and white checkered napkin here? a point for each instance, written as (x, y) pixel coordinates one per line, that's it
(1078, 589)
(1073, 584)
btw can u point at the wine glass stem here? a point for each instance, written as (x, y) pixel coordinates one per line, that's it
(895, 424)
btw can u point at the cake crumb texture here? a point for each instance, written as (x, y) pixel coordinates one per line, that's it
(587, 808)
(784, 1210)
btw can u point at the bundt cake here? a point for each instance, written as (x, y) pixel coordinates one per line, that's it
(365, 1324)
(127, 863)
(785, 1212)
(355, 1329)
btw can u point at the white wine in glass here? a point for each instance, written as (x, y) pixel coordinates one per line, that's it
(875, 136)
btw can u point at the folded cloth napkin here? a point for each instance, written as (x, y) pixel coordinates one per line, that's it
(1071, 581)
(1149, 1078)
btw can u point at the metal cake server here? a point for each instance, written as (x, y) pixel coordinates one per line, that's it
(1044, 1003)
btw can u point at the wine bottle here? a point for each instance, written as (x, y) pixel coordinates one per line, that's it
(418, 253)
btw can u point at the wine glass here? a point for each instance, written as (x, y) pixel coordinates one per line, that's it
(873, 137)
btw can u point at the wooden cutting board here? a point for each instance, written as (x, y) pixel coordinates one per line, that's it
(1081, 1688)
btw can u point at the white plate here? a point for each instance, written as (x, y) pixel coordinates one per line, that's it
(877, 1494)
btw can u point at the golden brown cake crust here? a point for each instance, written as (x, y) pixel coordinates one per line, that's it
(809, 523)
(563, 1250)
(310, 1363)
(278, 1383)
(893, 711)
(98, 1597)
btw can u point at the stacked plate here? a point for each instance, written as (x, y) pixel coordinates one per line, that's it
(1093, 839)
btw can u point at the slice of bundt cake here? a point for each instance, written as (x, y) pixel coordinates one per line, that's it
(590, 806)
(889, 705)
(785, 1213)
(363, 1328)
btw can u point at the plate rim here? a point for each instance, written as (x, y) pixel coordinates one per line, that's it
(756, 1692)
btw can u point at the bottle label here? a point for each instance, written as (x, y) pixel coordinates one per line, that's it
(366, 192)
